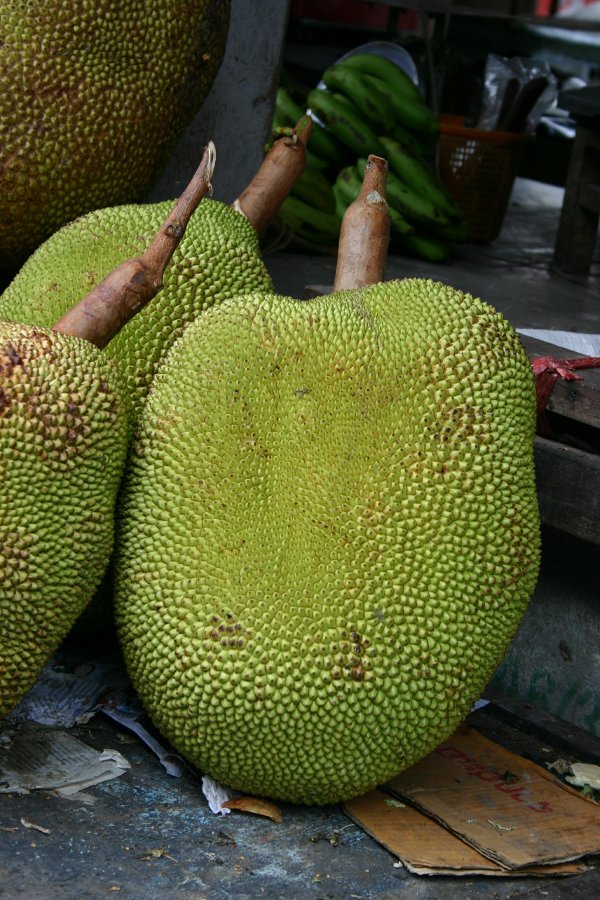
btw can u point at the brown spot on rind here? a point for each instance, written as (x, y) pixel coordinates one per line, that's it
(4, 403)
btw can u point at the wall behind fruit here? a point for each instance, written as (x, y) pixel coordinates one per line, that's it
(238, 112)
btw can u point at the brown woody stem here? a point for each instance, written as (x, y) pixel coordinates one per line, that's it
(280, 170)
(129, 287)
(365, 232)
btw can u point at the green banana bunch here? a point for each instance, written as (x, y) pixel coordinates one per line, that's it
(315, 189)
(368, 101)
(381, 67)
(324, 150)
(398, 224)
(345, 189)
(286, 108)
(342, 118)
(370, 105)
(420, 176)
(409, 201)
(402, 94)
(310, 224)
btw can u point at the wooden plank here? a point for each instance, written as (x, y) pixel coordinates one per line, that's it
(579, 400)
(590, 197)
(568, 486)
(578, 223)
(531, 728)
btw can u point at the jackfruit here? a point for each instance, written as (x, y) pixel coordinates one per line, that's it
(218, 257)
(93, 96)
(328, 533)
(64, 430)
(64, 425)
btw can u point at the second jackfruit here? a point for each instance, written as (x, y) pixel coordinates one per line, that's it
(219, 257)
(329, 533)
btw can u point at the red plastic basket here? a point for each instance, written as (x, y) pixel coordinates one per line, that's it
(479, 169)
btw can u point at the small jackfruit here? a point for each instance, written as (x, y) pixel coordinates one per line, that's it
(218, 257)
(64, 424)
(328, 533)
(93, 96)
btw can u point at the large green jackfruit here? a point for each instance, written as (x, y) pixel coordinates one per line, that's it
(218, 257)
(328, 533)
(63, 440)
(93, 95)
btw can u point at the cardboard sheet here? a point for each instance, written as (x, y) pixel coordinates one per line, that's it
(425, 847)
(508, 809)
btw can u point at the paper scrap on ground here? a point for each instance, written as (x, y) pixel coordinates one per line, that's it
(216, 795)
(509, 809)
(68, 695)
(126, 711)
(580, 343)
(73, 687)
(425, 847)
(45, 759)
(584, 773)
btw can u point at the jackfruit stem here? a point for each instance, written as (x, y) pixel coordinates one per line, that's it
(365, 232)
(118, 297)
(280, 170)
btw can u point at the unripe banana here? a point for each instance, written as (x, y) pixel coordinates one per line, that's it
(419, 176)
(325, 145)
(367, 99)
(313, 188)
(409, 202)
(424, 246)
(414, 115)
(341, 204)
(286, 108)
(348, 184)
(345, 122)
(288, 112)
(391, 74)
(420, 145)
(420, 149)
(398, 224)
(403, 94)
(301, 218)
(315, 162)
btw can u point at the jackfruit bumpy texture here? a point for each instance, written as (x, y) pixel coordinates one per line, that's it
(93, 95)
(329, 533)
(218, 257)
(63, 439)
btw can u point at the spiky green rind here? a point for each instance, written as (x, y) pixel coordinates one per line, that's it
(93, 96)
(63, 440)
(329, 533)
(219, 257)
